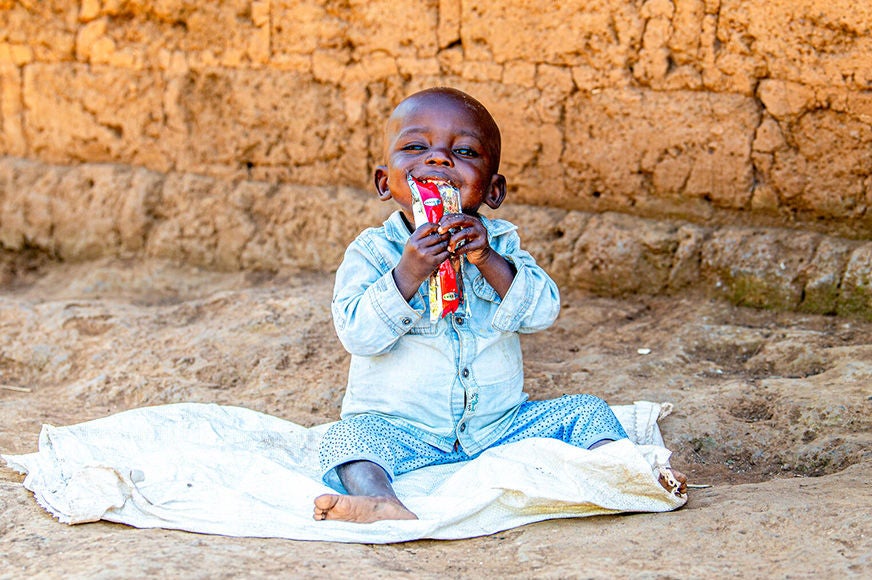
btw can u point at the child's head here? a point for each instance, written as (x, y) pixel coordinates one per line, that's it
(442, 134)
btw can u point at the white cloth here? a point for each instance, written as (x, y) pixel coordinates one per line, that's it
(232, 471)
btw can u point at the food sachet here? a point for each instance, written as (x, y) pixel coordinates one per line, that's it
(430, 201)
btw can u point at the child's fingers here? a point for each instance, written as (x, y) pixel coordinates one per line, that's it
(428, 235)
(452, 221)
(430, 246)
(425, 230)
(459, 244)
(467, 240)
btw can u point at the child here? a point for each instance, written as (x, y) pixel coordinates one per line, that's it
(422, 393)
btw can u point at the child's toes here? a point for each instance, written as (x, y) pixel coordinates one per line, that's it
(682, 481)
(672, 481)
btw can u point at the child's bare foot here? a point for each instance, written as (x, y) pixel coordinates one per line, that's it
(673, 481)
(360, 508)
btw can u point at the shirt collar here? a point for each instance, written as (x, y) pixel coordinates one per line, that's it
(395, 228)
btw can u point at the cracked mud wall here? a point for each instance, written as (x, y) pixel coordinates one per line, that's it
(89, 211)
(738, 132)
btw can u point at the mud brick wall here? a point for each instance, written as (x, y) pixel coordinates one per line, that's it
(91, 210)
(738, 122)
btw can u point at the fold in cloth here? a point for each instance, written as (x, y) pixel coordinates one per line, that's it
(232, 471)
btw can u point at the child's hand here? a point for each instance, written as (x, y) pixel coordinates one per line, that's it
(422, 254)
(468, 239)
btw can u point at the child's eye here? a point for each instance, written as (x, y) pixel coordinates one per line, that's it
(466, 152)
(413, 147)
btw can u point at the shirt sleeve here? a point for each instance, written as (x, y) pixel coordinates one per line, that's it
(369, 312)
(532, 302)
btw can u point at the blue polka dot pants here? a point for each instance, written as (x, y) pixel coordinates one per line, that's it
(579, 420)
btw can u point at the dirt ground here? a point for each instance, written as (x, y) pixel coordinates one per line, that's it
(773, 410)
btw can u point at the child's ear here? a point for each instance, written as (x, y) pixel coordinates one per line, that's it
(381, 183)
(497, 192)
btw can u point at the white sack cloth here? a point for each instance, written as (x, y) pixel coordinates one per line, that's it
(232, 471)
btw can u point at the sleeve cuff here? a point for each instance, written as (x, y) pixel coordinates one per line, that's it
(515, 303)
(392, 308)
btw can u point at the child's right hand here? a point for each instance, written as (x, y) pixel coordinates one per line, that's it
(422, 254)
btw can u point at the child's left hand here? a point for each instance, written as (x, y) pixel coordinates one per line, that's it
(469, 237)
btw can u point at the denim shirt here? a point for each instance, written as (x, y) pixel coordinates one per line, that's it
(458, 380)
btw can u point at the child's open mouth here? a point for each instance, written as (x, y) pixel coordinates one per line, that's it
(436, 181)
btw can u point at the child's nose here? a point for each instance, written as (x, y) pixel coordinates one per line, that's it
(439, 156)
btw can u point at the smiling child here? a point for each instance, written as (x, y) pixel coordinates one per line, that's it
(426, 393)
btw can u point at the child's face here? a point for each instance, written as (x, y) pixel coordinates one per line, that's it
(435, 137)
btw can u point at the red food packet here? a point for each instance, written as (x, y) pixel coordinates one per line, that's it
(430, 200)
(428, 205)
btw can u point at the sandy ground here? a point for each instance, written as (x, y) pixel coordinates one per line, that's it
(773, 410)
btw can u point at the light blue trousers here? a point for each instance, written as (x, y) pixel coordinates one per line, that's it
(579, 420)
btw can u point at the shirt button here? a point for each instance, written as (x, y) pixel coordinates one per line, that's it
(465, 373)
(463, 428)
(459, 320)
(407, 321)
